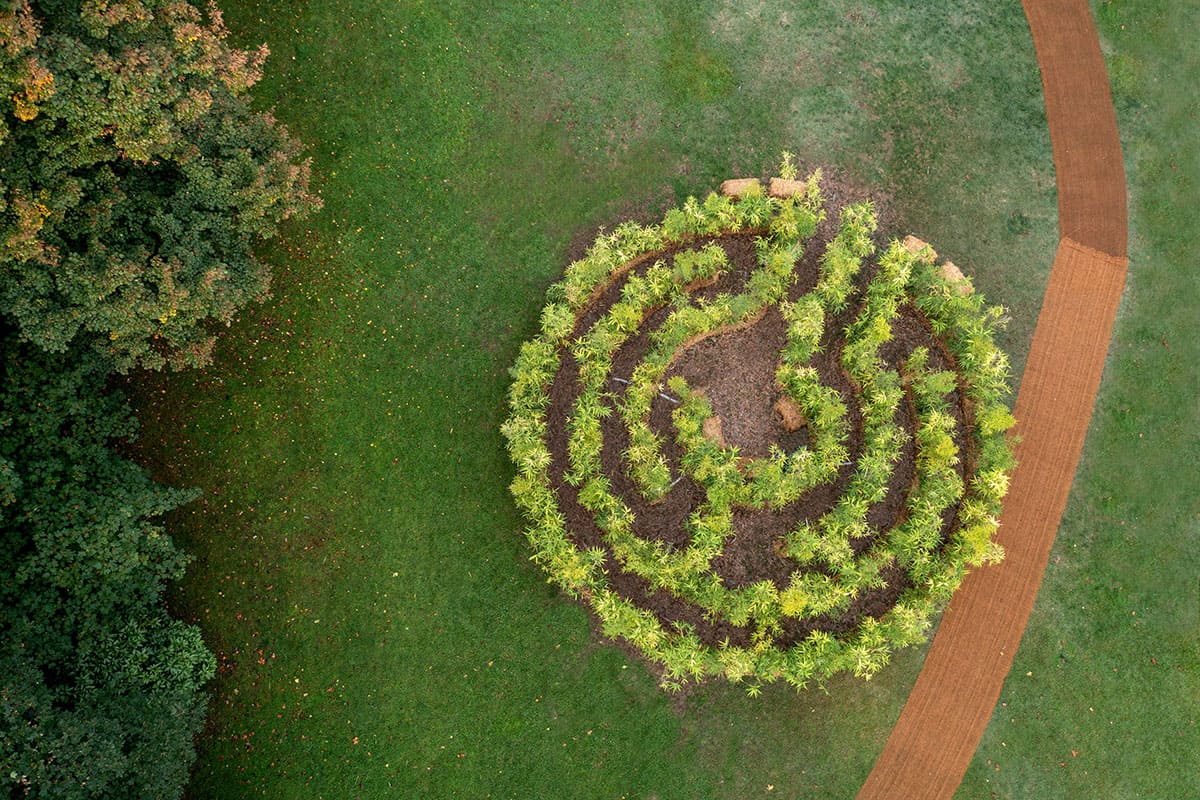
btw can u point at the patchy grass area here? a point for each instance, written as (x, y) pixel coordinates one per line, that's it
(1105, 691)
(359, 564)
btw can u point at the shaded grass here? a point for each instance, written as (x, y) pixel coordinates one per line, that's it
(359, 565)
(1105, 690)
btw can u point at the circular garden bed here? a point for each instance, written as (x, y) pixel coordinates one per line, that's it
(756, 444)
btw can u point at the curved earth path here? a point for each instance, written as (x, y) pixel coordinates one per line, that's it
(931, 746)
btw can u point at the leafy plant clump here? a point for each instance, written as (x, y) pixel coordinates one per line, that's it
(610, 439)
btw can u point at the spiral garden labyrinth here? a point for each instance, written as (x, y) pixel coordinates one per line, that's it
(756, 445)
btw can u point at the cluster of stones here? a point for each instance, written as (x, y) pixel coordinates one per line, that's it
(852, 590)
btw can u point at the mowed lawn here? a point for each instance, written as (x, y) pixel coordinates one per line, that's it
(359, 566)
(1104, 697)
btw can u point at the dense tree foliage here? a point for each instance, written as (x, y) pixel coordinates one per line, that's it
(98, 686)
(135, 179)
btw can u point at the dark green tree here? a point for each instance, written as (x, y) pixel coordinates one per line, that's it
(99, 688)
(135, 179)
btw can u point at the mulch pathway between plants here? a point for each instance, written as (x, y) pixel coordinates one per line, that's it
(952, 702)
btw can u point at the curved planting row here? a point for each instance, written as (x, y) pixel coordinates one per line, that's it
(755, 446)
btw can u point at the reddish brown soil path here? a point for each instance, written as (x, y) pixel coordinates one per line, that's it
(939, 729)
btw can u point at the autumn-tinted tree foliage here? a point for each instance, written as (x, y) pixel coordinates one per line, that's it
(135, 179)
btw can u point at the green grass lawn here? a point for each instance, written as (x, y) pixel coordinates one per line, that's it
(359, 566)
(1104, 695)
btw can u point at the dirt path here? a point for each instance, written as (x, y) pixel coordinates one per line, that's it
(951, 704)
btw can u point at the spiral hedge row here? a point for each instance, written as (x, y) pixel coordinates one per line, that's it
(610, 438)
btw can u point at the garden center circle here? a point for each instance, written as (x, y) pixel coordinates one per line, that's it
(758, 444)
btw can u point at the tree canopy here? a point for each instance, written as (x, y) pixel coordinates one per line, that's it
(136, 177)
(135, 180)
(99, 687)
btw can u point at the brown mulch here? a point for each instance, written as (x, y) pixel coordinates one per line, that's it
(932, 744)
(1088, 165)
